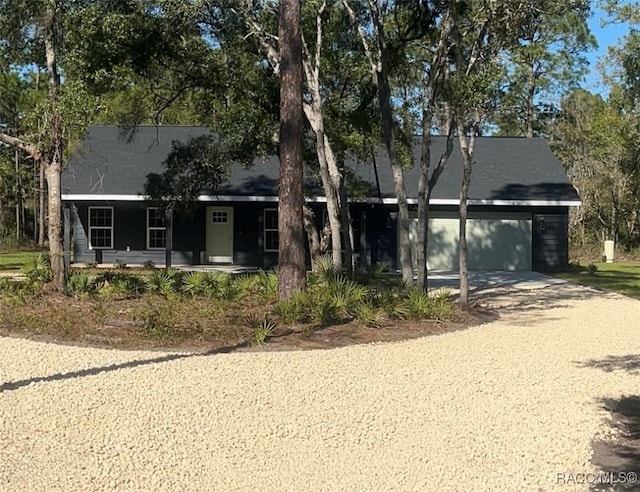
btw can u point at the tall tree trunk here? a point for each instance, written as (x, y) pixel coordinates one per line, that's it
(318, 241)
(380, 69)
(426, 184)
(337, 179)
(18, 195)
(316, 120)
(53, 162)
(56, 250)
(466, 149)
(291, 264)
(531, 92)
(42, 212)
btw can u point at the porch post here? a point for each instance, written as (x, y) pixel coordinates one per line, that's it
(168, 242)
(66, 234)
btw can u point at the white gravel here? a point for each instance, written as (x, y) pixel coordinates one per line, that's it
(503, 406)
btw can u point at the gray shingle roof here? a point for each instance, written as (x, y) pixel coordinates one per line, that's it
(109, 163)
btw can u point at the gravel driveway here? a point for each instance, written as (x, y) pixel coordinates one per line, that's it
(510, 405)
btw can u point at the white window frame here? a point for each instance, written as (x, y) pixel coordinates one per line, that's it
(155, 228)
(265, 229)
(91, 228)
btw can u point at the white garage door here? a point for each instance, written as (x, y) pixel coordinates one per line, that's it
(496, 241)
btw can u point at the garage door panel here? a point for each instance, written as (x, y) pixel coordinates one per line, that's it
(494, 242)
(442, 246)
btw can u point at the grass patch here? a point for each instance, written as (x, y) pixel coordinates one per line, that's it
(14, 261)
(623, 278)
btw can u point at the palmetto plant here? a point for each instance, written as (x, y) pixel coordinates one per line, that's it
(38, 268)
(261, 327)
(82, 284)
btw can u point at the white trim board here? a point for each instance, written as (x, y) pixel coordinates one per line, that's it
(322, 199)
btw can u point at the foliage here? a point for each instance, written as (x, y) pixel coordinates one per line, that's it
(81, 283)
(369, 315)
(267, 284)
(166, 282)
(122, 284)
(38, 268)
(262, 327)
(420, 305)
(18, 291)
(295, 309)
(156, 318)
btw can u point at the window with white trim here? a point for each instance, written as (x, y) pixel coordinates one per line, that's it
(156, 228)
(100, 227)
(271, 229)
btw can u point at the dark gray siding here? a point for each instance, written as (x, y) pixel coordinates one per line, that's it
(550, 249)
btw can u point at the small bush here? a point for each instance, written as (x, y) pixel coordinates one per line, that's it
(418, 304)
(323, 311)
(293, 310)
(246, 282)
(149, 265)
(261, 328)
(156, 319)
(325, 267)
(18, 291)
(267, 284)
(122, 284)
(90, 264)
(592, 268)
(165, 282)
(369, 315)
(119, 264)
(442, 307)
(82, 284)
(38, 268)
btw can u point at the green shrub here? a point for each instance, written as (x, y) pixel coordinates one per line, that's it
(214, 284)
(592, 268)
(119, 264)
(38, 268)
(293, 310)
(344, 294)
(325, 267)
(418, 304)
(261, 328)
(442, 307)
(323, 311)
(246, 282)
(90, 264)
(123, 284)
(18, 291)
(164, 282)
(82, 284)
(267, 284)
(157, 319)
(369, 315)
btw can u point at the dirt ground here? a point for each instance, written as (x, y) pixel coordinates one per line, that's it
(197, 325)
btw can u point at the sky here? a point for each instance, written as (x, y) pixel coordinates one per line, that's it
(610, 35)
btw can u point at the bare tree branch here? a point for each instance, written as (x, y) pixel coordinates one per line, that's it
(18, 143)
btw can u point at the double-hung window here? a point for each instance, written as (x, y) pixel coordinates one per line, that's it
(156, 228)
(270, 229)
(100, 227)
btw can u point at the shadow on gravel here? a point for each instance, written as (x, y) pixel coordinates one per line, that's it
(629, 363)
(619, 457)
(532, 305)
(92, 371)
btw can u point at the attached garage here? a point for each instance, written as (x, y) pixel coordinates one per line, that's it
(496, 240)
